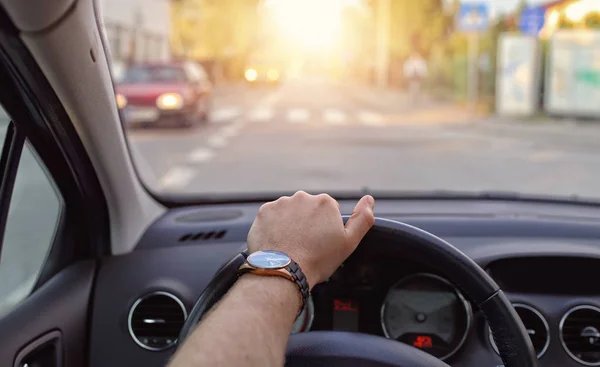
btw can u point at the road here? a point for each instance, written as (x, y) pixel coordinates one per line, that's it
(324, 136)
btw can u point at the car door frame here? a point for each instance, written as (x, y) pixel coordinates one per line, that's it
(60, 300)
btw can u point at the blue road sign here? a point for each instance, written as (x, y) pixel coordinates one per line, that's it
(532, 20)
(473, 17)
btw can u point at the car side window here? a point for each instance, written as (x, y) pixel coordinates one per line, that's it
(31, 222)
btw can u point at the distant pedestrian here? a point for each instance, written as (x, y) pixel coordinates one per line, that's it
(415, 72)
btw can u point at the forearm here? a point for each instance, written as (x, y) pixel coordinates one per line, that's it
(249, 327)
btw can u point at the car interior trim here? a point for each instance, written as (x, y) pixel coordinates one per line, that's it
(9, 165)
(130, 208)
(36, 110)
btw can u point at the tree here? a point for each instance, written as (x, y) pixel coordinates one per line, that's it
(418, 25)
(213, 29)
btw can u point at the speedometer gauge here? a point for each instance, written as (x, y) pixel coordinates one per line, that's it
(427, 312)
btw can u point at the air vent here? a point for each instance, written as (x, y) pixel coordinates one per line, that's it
(580, 334)
(536, 327)
(203, 236)
(155, 320)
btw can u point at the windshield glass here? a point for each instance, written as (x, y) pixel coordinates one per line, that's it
(250, 97)
(153, 74)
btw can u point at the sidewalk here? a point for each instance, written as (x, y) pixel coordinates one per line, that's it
(396, 104)
(384, 100)
(559, 132)
(542, 120)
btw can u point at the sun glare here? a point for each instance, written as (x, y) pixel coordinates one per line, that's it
(312, 23)
(576, 12)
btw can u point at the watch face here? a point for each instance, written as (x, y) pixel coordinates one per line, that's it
(268, 259)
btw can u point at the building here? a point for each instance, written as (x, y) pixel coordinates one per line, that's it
(137, 30)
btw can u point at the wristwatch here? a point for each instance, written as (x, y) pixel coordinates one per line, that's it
(277, 263)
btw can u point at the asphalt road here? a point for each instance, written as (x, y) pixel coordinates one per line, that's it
(323, 136)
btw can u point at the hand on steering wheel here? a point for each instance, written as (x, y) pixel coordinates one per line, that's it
(311, 230)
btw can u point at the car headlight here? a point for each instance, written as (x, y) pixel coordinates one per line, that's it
(169, 101)
(121, 101)
(273, 74)
(251, 75)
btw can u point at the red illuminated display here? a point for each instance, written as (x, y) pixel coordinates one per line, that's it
(344, 305)
(423, 341)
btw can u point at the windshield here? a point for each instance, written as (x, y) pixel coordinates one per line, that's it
(153, 74)
(354, 95)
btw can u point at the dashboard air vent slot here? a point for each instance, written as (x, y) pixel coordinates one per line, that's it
(155, 320)
(536, 326)
(580, 334)
(203, 236)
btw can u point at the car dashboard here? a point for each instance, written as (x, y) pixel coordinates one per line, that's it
(544, 255)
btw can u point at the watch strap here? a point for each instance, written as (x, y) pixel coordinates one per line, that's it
(293, 273)
(300, 279)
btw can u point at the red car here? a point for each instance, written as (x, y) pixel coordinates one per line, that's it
(171, 93)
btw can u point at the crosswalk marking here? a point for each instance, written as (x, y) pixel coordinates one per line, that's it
(334, 117)
(330, 116)
(260, 114)
(201, 155)
(298, 115)
(177, 178)
(224, 114)
(371, 118)
(217, 141)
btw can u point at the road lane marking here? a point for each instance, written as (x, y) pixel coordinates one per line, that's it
(545, 156)
(217, 141)
(177, 178)
(224, 114)
(201, 155)
(334, 117)
(271, 98)
(370, 118)
(260, 114)
(231, 130)
(298, 115)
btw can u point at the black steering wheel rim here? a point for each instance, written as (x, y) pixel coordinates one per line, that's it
(508, 331)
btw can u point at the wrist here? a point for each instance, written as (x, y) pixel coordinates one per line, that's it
(273, 290)
(277, 263)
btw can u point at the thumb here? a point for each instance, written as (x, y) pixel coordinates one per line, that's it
(361, 221)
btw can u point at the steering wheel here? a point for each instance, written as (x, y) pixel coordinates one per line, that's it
(337, 348)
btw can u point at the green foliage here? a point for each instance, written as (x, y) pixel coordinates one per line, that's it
(213, 28)
(593, 20)
(418, 26)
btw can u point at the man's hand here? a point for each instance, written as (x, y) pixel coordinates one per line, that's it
(311, 231)
(252, 323)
